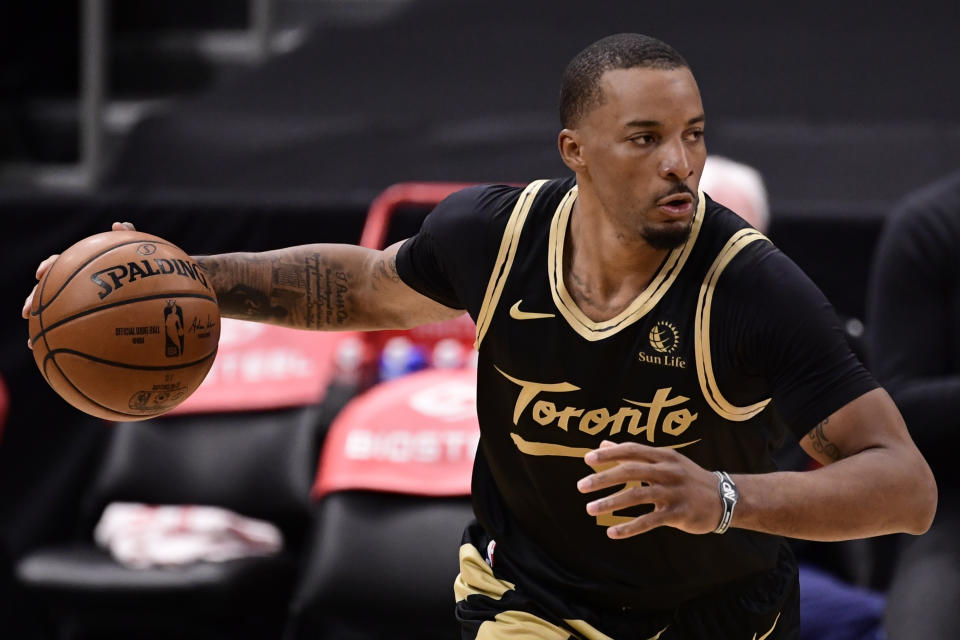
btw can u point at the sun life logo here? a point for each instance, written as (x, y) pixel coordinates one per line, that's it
(664, 337)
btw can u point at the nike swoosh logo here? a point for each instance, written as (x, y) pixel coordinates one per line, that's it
(516, 314)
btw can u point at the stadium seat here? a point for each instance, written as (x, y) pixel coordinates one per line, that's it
(257, 464)
(381, 565)
(393, 498)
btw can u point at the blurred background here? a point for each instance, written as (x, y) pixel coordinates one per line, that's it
(228, 125)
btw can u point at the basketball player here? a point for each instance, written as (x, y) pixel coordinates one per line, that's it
(636, 342)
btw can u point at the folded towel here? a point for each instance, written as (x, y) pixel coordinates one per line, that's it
(141, 536)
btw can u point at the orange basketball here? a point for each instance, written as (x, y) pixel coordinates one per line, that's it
(124, 325)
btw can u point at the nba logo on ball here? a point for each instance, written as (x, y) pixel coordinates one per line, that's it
(173, 321)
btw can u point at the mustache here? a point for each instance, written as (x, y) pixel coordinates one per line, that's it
(679, 188)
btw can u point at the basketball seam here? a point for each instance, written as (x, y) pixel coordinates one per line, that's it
(41, 306)
(120, 303)
(81, 393)
(122, 365)
(94, 402)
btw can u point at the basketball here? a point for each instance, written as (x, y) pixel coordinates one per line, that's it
(124, 325)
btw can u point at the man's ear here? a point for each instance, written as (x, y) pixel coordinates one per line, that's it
(571, 151)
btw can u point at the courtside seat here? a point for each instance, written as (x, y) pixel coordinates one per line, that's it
(380, 566)
(90, 595)
(258, 464)
(392, 494)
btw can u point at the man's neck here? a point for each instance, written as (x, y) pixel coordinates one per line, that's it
(605, 267)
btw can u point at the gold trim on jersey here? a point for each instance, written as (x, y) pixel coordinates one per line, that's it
(641, 305)
(504, 261)
(764, 636)
(553, 449)
(476, 577)
(708, 383)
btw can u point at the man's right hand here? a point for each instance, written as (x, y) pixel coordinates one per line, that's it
(45, 266)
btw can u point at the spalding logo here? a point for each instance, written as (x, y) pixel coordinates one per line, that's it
(112, 278)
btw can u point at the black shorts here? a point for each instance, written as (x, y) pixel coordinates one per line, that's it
(763, 607)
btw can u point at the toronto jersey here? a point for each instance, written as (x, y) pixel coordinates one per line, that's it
(727, 343)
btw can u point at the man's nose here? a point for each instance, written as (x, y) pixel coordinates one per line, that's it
(675, 162)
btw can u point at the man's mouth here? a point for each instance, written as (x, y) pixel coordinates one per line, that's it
(676, 204)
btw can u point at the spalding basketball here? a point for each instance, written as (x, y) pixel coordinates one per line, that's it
(124, 325)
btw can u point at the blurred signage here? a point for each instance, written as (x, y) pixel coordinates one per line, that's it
(261, 366)
(417, 435)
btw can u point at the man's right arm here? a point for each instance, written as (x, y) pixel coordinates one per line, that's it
(329, 287)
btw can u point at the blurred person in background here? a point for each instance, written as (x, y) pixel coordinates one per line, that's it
(739, 187)
(830, 608)
(914, 337)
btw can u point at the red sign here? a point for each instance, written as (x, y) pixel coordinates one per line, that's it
(417, 435)
(261, 366)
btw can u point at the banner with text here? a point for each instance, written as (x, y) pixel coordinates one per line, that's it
(417, 435)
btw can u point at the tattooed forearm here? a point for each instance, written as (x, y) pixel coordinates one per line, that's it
(385, 273)
(294, 287)
(327, 293)
(319, 286)
(250, 303)
(822, 444)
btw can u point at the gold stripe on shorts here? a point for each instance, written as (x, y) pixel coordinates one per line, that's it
(520, 624)
(476, 577)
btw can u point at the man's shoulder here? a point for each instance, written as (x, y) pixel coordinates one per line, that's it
(721, 221)
(751, 262)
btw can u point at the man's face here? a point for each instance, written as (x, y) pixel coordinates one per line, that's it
(643, 151)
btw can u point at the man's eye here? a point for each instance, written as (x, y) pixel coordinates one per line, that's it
(696, 134)
(642, 140)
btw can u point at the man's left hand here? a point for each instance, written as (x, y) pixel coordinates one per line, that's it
(683, 494)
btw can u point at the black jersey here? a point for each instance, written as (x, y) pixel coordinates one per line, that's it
(728, 335)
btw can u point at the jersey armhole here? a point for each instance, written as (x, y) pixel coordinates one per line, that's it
(505, 257)
(708, 382)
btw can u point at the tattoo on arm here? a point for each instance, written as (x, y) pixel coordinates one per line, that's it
(250, 303)
(302, 289)
(327, 293)
(822, 444)
(237, 285)
(385, 272)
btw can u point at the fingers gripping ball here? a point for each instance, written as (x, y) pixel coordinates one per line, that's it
(124, 325)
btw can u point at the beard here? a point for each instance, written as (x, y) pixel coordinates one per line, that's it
(667, 237)
(670, 235)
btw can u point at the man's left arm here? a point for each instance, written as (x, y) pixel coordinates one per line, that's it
(873, 481)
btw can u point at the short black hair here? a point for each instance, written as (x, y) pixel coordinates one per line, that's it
(580, 89)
